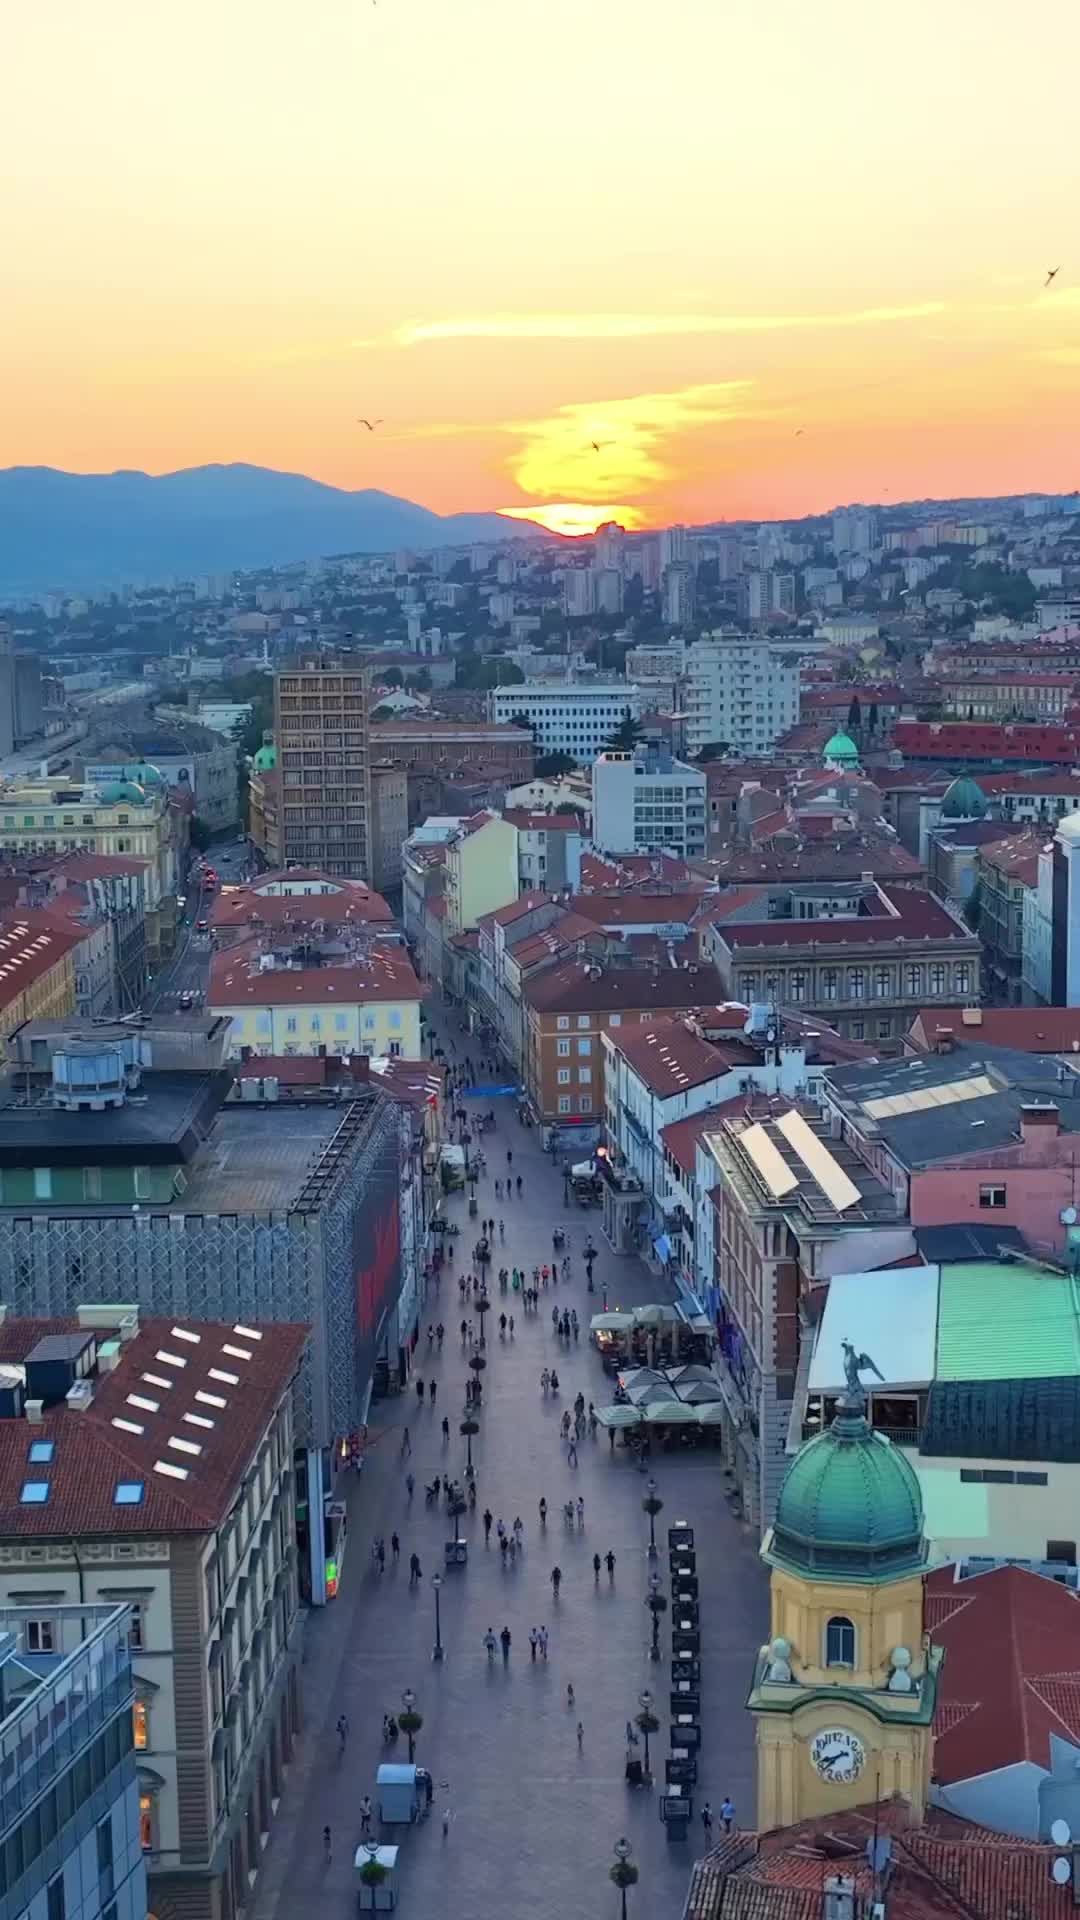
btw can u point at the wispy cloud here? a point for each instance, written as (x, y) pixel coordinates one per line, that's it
(604, 449)
(636, 326)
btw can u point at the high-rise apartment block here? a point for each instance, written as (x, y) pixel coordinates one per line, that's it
(854, 530)
(579, 592)
(321, 725)
(610, 546)
(646, 800)
(678, 603)
(742, 691)
(609, 589)
(673, 547)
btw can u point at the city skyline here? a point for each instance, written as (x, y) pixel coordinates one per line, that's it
(710, 266)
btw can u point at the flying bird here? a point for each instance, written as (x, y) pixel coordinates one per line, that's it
(1052, 274)
(799, 431)
(597, 444)
(369, 424)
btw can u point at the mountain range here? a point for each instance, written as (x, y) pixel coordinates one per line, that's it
(68, 530)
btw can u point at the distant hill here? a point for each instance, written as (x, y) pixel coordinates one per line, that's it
(73, 530)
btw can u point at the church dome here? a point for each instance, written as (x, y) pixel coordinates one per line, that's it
(964, 800)
(120, 792)
(146, 775)
(841, 750)
(849, 1508)
(264, 760)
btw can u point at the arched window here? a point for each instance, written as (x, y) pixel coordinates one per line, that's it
(839, 1642)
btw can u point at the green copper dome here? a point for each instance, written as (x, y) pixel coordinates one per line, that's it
(264, 759)
(964, 800)
(119, 792)
(841, 747)
(849, 1508)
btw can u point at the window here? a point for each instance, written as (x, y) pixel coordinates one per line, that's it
(56, 1909)
(585, 1103)
(563, 1022)
(563, 1077)
(341, 1023)
(914, 978)
(839, 1642)
(937, 978)
(856, 982)
(135, 1627)
(584, 1019)
(562, 1048)
(584, 1075)
(1001, 1477)
(316, 1023)
(147, 1823)
(105, 1857)
(39, 1636)
(128, 1493)
(829, 980)
(797, 989)
(584, 1047)
(34, 1493)
(884, 1029)
(290, 1024)
(140, 1720)
(42, 1183)
(858, 1029)
(963, 979)
(41, 1452)
(564, 1103)
(615, 1020)
(992, 1196)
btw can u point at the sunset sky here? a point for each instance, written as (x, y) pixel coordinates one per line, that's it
(682, 231)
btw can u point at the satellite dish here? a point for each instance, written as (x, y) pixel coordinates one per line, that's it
(1062, 1870)
(1060, 1833)
(1068, 1219)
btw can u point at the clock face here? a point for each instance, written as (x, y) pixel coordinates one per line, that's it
(837, 1755)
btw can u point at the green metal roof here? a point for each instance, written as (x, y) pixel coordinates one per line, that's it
(849, 1508)
(1006, 1321)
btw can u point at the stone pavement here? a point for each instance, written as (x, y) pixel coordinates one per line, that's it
(531, 1815)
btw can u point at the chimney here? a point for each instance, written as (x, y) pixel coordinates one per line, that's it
(1039, 1120)
(944, 1040)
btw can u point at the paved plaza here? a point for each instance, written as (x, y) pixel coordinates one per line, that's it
(533, 1818)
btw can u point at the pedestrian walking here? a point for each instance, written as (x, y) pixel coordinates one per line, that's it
(414, 1570)
(727, 1813)
(544, 1642)
(489, 1642)
(420, 1392)
(326, 1847)
(596, 1568)
(406, 1443)
(580, 1511)
(609, 1562)
(380, 1554)
(571, 1454)
(365, 1814)
(534, 1642)
(706, 1821)
(556, 1580)
(498, 1189)
(543, 1513)
(342, 1732)
(580, 1735)
(511, 1326)
(410, 1485)
(504, 1639)
(570, 1695)
(487, 1524)
(431, 1392)
(518, 1185)
(631, 1734)
(510, 1159)
(395, 1547)
(446, 1430)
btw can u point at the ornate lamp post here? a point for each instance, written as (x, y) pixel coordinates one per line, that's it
(623, 1872)
(652, 1507)
(647, 1723)
(657, 1604)
(410, 1721)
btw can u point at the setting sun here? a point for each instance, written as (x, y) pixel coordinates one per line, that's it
(574, 518)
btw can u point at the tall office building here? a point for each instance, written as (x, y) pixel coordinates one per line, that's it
(579, 592)
(609, 589)
(854, 530)
(678, 602)
(673, 547)
(321, 724)
(610, 547)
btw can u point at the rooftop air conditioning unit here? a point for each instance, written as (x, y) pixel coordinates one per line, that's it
(80, 1396)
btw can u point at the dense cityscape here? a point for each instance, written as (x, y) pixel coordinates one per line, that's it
(538, 1226)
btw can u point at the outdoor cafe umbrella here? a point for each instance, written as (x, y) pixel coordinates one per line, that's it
(654, 1393)
(710, 1415)
(655, 1315)
(619, 1416)
(611, 1322)
(671, 1413)
(693, 1370)
(641, 1377)
(699, 1393)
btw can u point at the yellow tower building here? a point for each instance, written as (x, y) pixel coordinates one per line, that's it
(844, 1692)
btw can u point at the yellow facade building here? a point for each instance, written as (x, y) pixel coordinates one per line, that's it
(844, 1692)
(366, 1004)
(480, 874)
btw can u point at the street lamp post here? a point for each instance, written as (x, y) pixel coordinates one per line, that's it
(437, 1652)
(657, 1604)
(623, 1873)
(410, 1720)
(652, 1507)
(648, 1723)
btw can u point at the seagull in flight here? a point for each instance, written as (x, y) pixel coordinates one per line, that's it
(799, 431)
(1052, 274)
(596, 445)
(369, 424)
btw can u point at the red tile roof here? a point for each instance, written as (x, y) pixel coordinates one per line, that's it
(99, 866)
(1029, 1029)
(542, 822)
(976, 740)
(630, 909)
(680, 1137)
(670, 1057)
(570, 988)
(917, 916)
(1011, 1674)
(385, 973)
(352, 904)
(92, 1455)
(31, 944)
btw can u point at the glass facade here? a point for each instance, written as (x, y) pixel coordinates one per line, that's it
(70, 1843)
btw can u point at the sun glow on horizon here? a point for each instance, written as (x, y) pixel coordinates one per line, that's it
(575, 518)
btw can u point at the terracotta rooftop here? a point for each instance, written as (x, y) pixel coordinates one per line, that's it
(680, 1137)
(638, 908)
(176, 1419)
(918, 916)
(669, 1056)
(384, 972)
(1029, 1029)
(99, 866)
(30, 945)
(352, 905)
(576, 987)
(1011, 1675)
(543, 822)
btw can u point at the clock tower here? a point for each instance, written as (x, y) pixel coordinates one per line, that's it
(844, 1692)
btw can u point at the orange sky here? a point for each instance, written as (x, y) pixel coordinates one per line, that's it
(682, 232)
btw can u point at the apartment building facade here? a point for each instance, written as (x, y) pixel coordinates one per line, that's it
(645, 800)
(322, 730)
(741, 691)
(571, 717)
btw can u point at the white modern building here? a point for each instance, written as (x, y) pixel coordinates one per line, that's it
(646, 800)
(570, 716)
(854, 530)
(740, 690)
(579, 592)
(679, 598)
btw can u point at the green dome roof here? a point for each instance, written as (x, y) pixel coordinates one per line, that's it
(841, 747)
(146, 775)
(964, 800)
(264, 760)
(849, 1507)
(119, 790)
